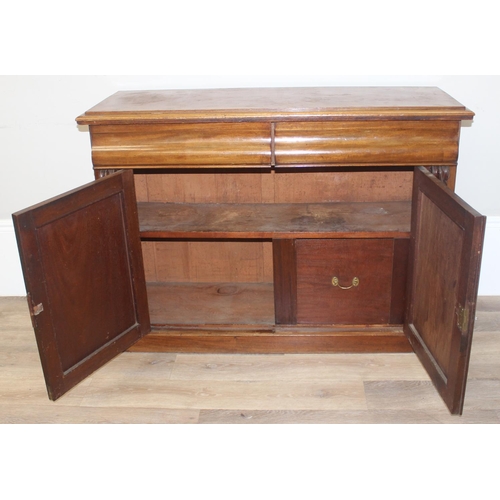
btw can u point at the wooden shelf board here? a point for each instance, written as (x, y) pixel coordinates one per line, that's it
(279, 340)
(274, 220)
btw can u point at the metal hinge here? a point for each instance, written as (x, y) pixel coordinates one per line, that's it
(463, 325)
(462, 318)
(37, 309)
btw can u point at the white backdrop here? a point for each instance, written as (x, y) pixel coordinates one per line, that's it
(44, 152)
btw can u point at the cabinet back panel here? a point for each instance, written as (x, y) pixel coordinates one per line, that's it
(206, 304)
(276, 187)
(208, 261)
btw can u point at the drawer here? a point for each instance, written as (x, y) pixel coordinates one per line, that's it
(375, 143)
(181, 145)
(371, 276)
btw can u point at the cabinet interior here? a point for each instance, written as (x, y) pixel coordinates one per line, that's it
(219, 270)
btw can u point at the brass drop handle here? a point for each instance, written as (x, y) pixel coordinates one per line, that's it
(335, 282)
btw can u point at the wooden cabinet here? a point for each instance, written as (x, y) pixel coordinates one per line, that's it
(260, 220)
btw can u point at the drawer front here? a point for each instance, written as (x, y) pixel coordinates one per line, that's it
(367, 143)
(366, 302)
(181, 145)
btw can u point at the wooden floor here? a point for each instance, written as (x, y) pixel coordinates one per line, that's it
(246, 389)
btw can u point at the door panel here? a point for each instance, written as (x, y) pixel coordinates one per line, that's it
(445, 257)
(84, 275)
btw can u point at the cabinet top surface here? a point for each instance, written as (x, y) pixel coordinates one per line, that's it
(307, 103)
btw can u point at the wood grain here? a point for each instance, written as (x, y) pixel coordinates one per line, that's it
(285, 281)
(212, 261)
(24, 414)
(342, 184)
(193, 394)
(211, 303)
(318, 261)
(197, 261)
(399, 280)
(308, 185)
(262, 339)
(445, 258)
(87, 296)
(273, 220)
(415, 394)
(303, 367)
(194, 145)
(367, 143)
(391, 385)
(275, 104)
(249, 416)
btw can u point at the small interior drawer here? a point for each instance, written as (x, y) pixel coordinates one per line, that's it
(363, 272)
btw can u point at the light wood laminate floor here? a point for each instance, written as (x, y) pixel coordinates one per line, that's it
(246, 389)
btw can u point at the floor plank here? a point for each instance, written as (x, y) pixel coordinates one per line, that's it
(268, 395)
(343, 417)
(398, 394)
(246, 389)
(23, 414)
(302, 367)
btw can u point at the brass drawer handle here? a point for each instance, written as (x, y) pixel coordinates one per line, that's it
(335, 282)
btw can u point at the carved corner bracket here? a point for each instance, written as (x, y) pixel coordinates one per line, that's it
(442, 173)
(99, 174)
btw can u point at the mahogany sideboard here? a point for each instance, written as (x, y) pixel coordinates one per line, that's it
(262, 221)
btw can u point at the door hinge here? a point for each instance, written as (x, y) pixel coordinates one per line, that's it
(462, 318)
(37, 309)
(463, 325)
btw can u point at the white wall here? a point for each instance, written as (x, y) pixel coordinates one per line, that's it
(44, 153)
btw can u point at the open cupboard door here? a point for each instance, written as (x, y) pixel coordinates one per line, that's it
(445, 258)
(84, 275)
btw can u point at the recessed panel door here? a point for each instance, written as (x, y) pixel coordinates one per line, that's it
(84, 276)
(445, 257)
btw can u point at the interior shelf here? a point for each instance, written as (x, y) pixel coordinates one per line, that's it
(274, 220)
